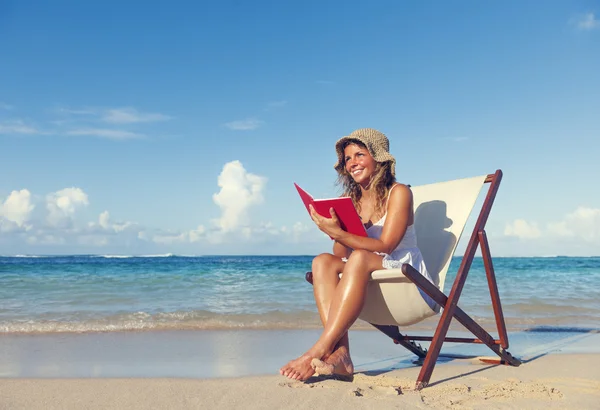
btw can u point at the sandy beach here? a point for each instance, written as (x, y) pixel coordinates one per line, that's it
(238, 369)
(554, 381)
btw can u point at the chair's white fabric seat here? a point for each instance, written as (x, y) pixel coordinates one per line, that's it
(392, 299)
(441, 213)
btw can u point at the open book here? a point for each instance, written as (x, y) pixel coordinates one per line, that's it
(343, 207)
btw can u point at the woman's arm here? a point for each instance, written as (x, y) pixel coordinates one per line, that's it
(399, 214)
(340, 250)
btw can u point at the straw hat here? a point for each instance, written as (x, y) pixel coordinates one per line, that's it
(376, 142)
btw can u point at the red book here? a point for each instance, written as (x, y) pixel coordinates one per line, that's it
(343, 207)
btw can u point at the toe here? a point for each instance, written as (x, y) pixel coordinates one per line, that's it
(308, 374)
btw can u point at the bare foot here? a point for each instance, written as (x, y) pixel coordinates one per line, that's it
(338, 363)
(298, 369)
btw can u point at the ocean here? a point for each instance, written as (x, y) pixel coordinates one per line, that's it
(110, 293)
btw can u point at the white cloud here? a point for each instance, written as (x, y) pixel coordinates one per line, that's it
(103, 220)
(85, 122)
(244, 125)
(266, 231)
(259, 232)
(582, 224)
(522, 229)
(105, 223)
(61, 230)
(195, 235)
(17, 127)
(8, 226)
(585, 22)
(239, 191)
(299, 229)
(559, 229)
(105, 133)
(130, 115)
(82, 111)
(124, 115)
(17, 207)
(5, 106)
(46, 239)
(22, 230)
(63, 204)
(169, 239)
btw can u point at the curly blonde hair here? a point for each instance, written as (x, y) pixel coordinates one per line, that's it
(381, 181)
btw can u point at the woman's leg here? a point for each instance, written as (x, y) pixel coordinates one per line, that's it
(346, 304)
(325, 272)
(326, 269)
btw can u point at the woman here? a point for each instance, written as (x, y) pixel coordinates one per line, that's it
(366, 170)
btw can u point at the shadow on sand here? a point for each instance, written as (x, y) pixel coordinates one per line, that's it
(542, 340)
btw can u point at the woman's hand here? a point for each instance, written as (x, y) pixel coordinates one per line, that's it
(330, 226)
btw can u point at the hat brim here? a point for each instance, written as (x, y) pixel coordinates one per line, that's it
(379, 157)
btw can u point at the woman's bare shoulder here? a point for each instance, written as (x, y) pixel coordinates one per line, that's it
(399, 189)
(400, 195)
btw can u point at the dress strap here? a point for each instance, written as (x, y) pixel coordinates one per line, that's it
(388, 197)
(390, 192)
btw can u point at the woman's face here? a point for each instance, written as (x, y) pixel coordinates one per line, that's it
(359, 163)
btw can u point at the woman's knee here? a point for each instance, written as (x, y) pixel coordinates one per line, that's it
(361, 263)
(321, 261)
(325, 265)
(359, 257)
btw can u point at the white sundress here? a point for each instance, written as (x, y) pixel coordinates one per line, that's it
(407, 251)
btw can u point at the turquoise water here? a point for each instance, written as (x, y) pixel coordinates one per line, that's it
(109, 293)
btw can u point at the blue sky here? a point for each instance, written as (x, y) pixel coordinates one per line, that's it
(179, 127)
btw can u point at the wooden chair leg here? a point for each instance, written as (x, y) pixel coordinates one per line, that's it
(451, 310)
(398, 338)
(493, 286)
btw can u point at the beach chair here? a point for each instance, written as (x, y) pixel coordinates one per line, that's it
(393, 296)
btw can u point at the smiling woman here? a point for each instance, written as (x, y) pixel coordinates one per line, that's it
(366, 170)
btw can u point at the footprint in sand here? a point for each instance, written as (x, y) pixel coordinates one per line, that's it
(463, 395)
(311, 383)
(512, 389)
(376, 391)
(381, 386)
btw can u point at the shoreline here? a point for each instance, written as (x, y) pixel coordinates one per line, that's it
(305, 320)
(239, 353)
